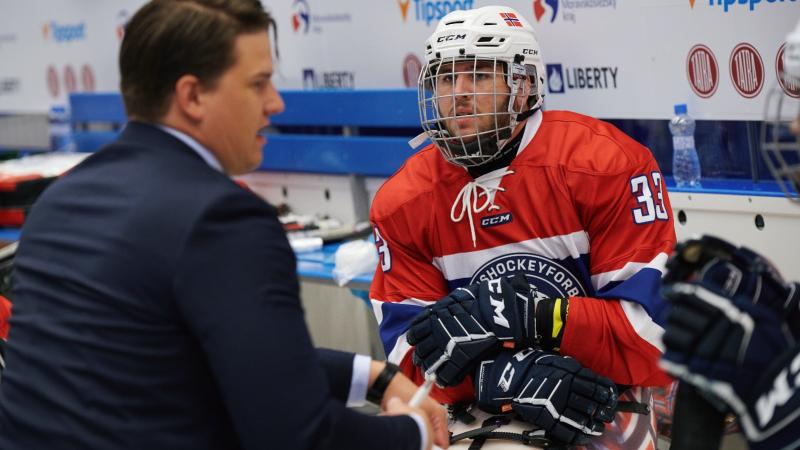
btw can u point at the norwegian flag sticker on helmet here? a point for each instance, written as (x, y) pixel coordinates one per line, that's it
(511, 19)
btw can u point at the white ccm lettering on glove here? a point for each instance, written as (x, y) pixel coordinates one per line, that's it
(508, 371)
(782, 391)
(496, 300)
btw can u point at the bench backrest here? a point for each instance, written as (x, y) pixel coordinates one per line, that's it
(363, 132)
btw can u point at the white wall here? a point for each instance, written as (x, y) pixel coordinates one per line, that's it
(638, 48)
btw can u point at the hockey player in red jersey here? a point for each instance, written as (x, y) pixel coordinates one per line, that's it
(570, 201)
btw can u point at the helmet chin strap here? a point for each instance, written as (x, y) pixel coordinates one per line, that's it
(503, 159)
(488, 145)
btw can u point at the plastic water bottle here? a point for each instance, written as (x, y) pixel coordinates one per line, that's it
(685, 163)
(60, 130)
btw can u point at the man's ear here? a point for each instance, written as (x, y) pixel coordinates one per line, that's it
(187, 97)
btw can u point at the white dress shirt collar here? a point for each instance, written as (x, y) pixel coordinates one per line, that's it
(198, 148)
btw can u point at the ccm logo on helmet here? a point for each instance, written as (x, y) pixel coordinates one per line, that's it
(499, 219)
(529, 51)
(452, 37)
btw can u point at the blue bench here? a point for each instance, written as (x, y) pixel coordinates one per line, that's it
(362, 132)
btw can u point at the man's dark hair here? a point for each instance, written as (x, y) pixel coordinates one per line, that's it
(167, 39)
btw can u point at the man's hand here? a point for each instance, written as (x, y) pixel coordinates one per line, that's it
(570, 402)
(403, 388)
(470, 324)
(396, 407)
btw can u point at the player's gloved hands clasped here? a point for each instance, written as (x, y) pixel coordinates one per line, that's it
(568, 401)
(469, 325)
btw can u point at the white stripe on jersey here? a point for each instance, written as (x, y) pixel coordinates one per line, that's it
(377, 310)
(409, 301)
(399, 351)
(464, 265)
(628, 270)
(643, 324)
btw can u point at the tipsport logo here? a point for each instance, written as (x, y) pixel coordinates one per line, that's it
(539, 9)
(430, 11)
(64, 32)
(729, 4)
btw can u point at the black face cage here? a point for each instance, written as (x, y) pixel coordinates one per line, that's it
(779, 147)
(440, 106)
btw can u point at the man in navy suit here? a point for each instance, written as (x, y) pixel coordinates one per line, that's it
(156, 301)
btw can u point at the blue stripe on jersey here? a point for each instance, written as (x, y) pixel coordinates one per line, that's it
(396, 320)
(642, 288)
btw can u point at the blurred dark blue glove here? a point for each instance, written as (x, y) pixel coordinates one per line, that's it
(736, 272)
(722, 346)
(470, 324)
(569, 402)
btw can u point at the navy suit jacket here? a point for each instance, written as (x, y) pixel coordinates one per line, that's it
(156, 307)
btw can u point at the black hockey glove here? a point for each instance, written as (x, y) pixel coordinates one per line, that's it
(569, 402)
(474, 322)
(735, 272)
(724, 347)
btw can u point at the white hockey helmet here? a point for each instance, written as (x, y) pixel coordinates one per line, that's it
(791, 55)
(780, 142)
(497, 35)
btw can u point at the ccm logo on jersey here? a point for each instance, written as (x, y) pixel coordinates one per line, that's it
(493, 221)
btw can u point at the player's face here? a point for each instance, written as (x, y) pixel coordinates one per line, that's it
(472, 97)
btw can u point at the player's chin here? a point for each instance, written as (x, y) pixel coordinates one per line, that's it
(463, 134)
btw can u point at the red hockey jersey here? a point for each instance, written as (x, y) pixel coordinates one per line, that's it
(582, 210)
